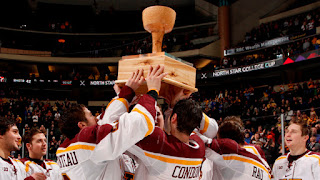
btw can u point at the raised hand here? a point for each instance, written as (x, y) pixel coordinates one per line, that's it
(116, 88)
(154, 77)
(135, 80)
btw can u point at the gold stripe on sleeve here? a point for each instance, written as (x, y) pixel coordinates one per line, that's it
(206, 124)
(150, 125)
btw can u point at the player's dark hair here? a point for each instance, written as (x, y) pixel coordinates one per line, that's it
(189, 115)
(27, 138)
(68, 123)
(232, 128)
(6, 124)
(303, 126)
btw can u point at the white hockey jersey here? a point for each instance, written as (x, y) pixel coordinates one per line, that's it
(94, 152)
(306, 167)
(48, 167)
(231, 162)
(12, 170)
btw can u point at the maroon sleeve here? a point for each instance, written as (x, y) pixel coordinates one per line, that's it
(127, 93)
(93, 134)
(224, 146)
(148, 102)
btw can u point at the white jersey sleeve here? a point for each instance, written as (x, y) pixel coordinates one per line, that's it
(208, 126)
(117, 106)
(128, 130)
(208, 129)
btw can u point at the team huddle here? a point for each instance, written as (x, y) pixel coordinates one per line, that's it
(135, 141)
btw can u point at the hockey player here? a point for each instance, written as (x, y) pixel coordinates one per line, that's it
(36, 143)
(228, 160)
(91, 151)
(239, 138)
(127, 164)
(175, 156)
(299, 163)
(9, 141)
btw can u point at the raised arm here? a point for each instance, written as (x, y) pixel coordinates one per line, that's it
(120, 104)
(130, 128)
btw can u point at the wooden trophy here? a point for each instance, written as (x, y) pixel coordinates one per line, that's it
(159, 20)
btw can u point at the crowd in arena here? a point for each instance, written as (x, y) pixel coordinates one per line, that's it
(298, 24)
(295, 24)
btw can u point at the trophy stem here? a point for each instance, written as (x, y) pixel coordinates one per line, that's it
(157, 38)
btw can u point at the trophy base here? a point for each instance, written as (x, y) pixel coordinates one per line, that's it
(180, 74)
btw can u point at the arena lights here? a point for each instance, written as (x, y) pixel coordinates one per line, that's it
(61, 40)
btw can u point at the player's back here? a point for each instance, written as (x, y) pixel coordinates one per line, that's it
(162, 156)
(232, 162)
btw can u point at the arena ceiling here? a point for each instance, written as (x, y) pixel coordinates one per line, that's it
(124, 5)
(121, 5)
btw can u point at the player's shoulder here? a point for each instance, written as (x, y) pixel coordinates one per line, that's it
(50, 162)
(251, 146)
(24, 160)
(281, 158)
(255, 149)
(158, 134)
(313, 155)
(16, 161)
(224, 146)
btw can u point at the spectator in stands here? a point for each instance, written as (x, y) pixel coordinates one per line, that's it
(314, 131)
(256, 139)
(247, 138)
(306, 45)
(313, 145)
